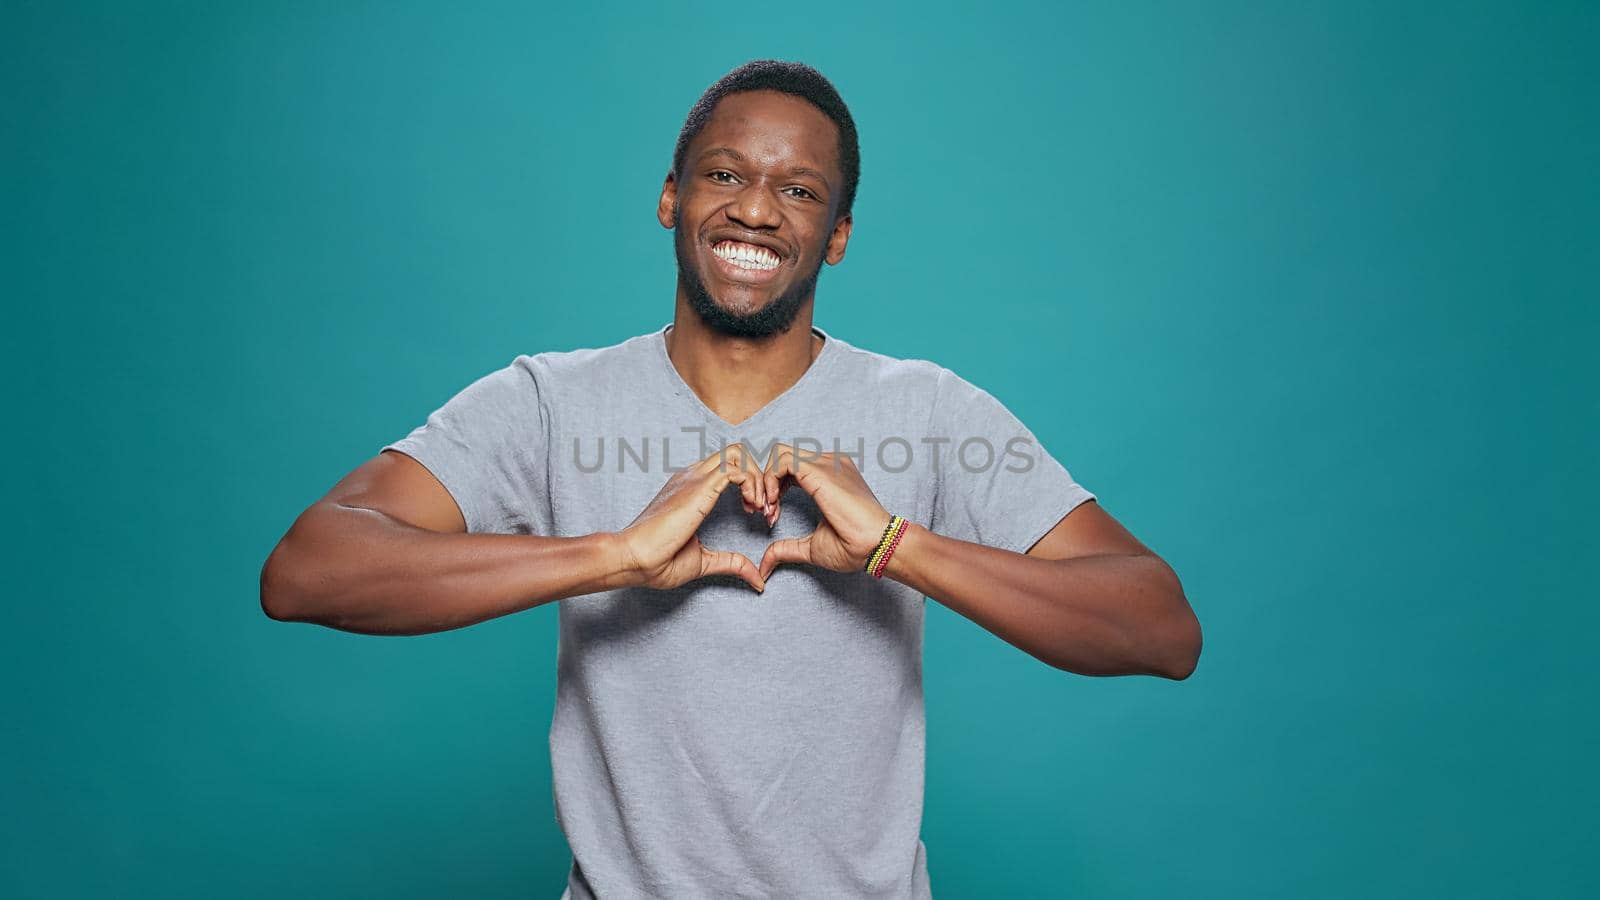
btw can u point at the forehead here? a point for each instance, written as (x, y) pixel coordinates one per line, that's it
(772, 128)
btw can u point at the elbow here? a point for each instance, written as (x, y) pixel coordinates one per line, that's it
(1184, 652)
(306, 575)
(277, 587)
(1182, 635)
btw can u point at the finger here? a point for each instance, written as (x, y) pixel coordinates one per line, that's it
(730, 465)
(749, 494)
(774, 460)
(755, 487)
(745, 470)
(784, 484)
(794, 467)
(749, 490)
(761, 487)
(779, 464)
(790, 550)
(775, 495)
(769, 507)
(726, 562)
(728, 456)
(754, 482)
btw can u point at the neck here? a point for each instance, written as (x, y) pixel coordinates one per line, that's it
(736, 376)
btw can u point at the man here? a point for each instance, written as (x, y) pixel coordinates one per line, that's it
(739, 702)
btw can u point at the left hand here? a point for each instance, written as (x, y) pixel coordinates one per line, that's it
(852, 518)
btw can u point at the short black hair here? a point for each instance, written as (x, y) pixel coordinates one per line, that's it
(797, 79)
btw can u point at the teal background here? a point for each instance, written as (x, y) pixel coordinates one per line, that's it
(1306, 295)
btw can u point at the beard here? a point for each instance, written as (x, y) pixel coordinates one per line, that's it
(773, 318)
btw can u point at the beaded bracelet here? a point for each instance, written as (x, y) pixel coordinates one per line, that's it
(879, 560)
(883, 562)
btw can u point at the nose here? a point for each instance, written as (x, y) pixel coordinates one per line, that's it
(755, 207)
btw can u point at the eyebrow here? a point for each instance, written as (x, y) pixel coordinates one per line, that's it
(739, 157)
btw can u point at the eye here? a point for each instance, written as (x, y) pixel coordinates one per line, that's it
(802, 193)
(717, 176)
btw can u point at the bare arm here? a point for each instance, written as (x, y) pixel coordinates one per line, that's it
(1087, 598)
(387, 552)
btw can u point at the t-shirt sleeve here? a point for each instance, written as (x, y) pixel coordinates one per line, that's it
(994, 483)
(487, 446)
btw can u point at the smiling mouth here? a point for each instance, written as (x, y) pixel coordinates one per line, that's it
(745, 257)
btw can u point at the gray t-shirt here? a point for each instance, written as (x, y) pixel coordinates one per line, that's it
(710, 741)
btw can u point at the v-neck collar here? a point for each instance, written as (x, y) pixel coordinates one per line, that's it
(813, 373)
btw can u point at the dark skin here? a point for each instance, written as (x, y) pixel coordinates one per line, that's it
(764, 169)
(386, 550)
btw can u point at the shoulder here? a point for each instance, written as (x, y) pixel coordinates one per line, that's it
(927, 383)
(920, 382)
(540, 379)
(901, 377)
(583, 365)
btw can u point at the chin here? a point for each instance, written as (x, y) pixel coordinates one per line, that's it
(770, 317)
(742, 307)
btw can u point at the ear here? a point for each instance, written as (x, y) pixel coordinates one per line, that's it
(669, 198)
(837, 241)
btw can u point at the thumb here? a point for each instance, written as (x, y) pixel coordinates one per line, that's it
(790, 550)
(727, 562)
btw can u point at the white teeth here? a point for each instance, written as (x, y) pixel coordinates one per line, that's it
(746, 256)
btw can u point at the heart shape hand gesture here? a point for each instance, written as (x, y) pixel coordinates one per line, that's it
(662, 550)
(853, 520)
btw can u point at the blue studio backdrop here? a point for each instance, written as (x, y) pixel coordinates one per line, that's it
(1305, 293)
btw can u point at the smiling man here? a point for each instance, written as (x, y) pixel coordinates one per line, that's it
(742, 514)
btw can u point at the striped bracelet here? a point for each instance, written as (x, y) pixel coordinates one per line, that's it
(879, 560)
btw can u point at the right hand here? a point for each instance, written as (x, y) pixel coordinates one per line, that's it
(660, 547)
